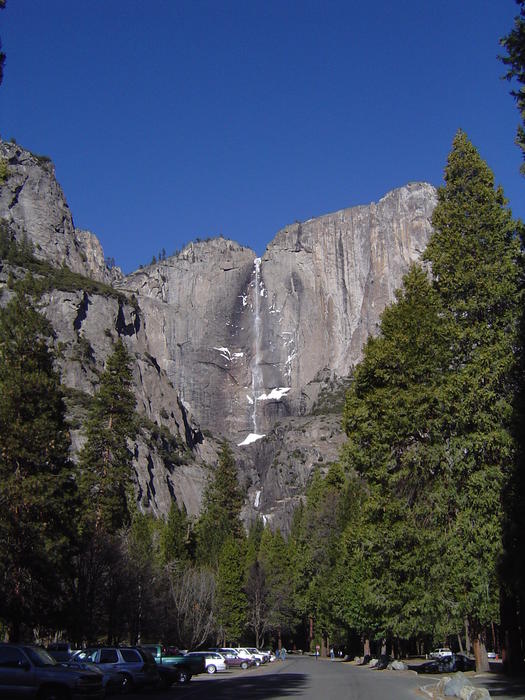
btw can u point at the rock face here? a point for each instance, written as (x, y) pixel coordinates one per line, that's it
(225, 344)
(244, 337)
(32, 202)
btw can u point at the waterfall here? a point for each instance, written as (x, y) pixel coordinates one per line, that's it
(257, 379)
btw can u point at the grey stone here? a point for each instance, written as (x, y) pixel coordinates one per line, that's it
(32, 202)
(451, 686)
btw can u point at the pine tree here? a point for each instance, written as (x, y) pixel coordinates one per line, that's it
(275, 562)
(37, 488)
(429, 417)
(174, 536)
(105, 460)
(231, 600)
(220, 516)
(390, 418)
(514, 43)
(474, 253)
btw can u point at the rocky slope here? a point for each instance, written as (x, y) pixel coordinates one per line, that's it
(225, 344)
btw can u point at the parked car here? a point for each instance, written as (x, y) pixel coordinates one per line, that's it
(28, 671)
(441, 653)
(256, 658)
(234, 659)
(136, 666)
(213, 659)
(445, 665)
(173, 665)
(263, 655)
(464, 662)
(112, 680)
(60, 651)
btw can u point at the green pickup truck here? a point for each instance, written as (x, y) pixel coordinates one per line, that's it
(175, 667)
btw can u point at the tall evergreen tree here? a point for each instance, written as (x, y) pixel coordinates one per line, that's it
(220, 516)
(105, 460)
(230, 597)
(275, 562)
(391, 417)
(474, 253)
(37, 488)
(175, 536)
(429, 417)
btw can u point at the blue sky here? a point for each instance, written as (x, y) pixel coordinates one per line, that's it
(169, 120)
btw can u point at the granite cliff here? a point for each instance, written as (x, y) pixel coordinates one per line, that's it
(225, 344)
(247, 341)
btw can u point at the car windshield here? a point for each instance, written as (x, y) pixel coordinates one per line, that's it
(40, 657)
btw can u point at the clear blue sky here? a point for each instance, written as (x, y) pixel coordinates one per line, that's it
(169, 120)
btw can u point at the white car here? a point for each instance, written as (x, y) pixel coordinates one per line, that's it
(214, 661)
(253, 654)
(265, 657)
(441, 653)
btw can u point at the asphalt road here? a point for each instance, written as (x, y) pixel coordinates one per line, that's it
(297, 677)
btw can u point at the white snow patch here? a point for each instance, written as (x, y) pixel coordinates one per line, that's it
(251, 437)
(257, 499)
(290, 358)
(250, 400)
(228, 355)
(225, 352)
(274, 394)
(244, 298)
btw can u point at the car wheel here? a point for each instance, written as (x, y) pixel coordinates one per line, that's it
(127, 684)
(211, 668)
(184, 677)
(52, 694)
(244, 665)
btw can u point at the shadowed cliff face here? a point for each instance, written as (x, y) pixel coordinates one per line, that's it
(244, 338)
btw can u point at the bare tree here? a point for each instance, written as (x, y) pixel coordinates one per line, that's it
(258, 603)
(193, 594)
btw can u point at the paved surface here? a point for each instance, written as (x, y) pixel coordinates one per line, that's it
(304, 677)
(297, 677)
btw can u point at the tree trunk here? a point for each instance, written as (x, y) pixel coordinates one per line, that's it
(468, 644)
(366, 646)
(460, 642)
(480, 653)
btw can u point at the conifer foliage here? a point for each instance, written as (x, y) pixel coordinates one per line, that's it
(429, 418)
(514, 43)
(220, 516)
(106, 460)
(37, 488)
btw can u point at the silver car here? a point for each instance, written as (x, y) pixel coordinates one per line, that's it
(136, 667)
(214, 661)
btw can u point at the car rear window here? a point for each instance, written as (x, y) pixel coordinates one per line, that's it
(130, 655)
